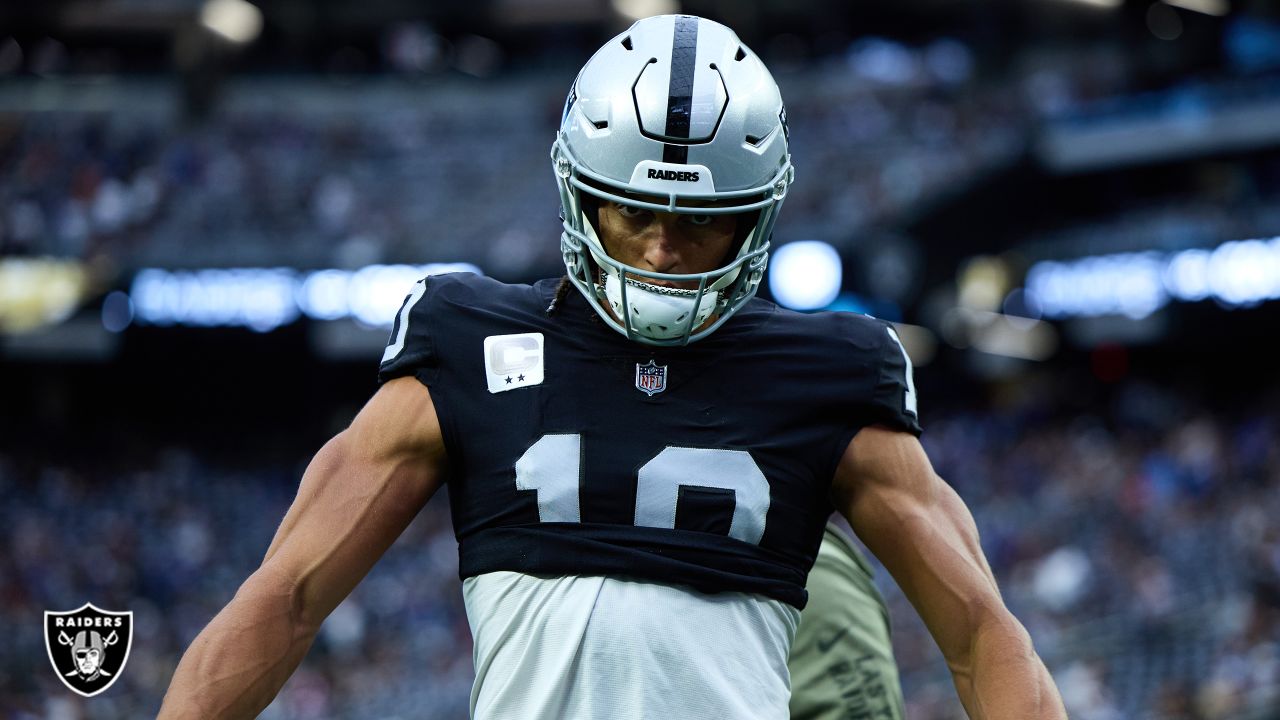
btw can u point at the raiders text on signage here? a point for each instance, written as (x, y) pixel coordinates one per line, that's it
(87, 622)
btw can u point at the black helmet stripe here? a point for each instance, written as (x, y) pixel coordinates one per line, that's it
(684, 53)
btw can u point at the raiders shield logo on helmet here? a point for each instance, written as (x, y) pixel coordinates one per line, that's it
(651, 378)
(88, 647)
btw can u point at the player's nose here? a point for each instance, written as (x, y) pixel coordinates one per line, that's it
(662, 251)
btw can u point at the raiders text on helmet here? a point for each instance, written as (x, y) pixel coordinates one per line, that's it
(673, 115)
(681, 175)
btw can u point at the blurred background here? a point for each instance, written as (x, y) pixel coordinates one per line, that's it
(210, 211)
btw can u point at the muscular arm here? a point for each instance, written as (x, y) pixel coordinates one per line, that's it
(923, 533)
(358, 494)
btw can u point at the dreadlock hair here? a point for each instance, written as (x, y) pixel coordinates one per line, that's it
(561, 290)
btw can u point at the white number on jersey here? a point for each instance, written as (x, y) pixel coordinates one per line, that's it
(675, 467)
(908, 402)
(552, 466)
(402, 332)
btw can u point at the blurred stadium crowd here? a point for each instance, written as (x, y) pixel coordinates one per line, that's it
(313, 174)
(1138, 545)
(319, 174)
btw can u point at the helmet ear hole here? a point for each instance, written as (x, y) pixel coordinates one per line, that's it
(591, 208)
(746, 223)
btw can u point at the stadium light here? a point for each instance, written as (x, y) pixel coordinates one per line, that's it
(1246, 272)
(805, 275)
(38, 292)
(999, 334)
(117, 312)
(263, 299)
(1105, 4)
(323, 295)
(1187, 276)
(237, 21)
(1240, 273)
(640, 9)
(982, 282)
(1217, 8)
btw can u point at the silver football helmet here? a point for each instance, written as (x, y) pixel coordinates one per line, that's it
(675, 109)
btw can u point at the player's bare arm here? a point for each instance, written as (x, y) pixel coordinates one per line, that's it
(358, 494)
(923, 533)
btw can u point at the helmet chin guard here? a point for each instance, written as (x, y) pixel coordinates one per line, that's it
(656, 311)
(674, 115)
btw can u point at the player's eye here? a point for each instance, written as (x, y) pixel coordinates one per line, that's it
(627, 211)
(699, 219)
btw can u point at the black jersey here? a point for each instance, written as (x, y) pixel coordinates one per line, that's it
(574, 451)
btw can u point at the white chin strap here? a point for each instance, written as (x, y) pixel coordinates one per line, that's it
(658, 312)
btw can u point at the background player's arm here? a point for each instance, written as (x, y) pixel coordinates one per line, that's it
(925, 536)
(358, 494)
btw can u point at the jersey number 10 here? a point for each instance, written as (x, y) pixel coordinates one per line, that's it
(552, 467)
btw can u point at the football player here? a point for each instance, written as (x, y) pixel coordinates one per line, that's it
(842, 663)
(641, 456)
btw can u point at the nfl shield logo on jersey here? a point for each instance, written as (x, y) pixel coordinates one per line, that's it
(88, 647)
(651, 378)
